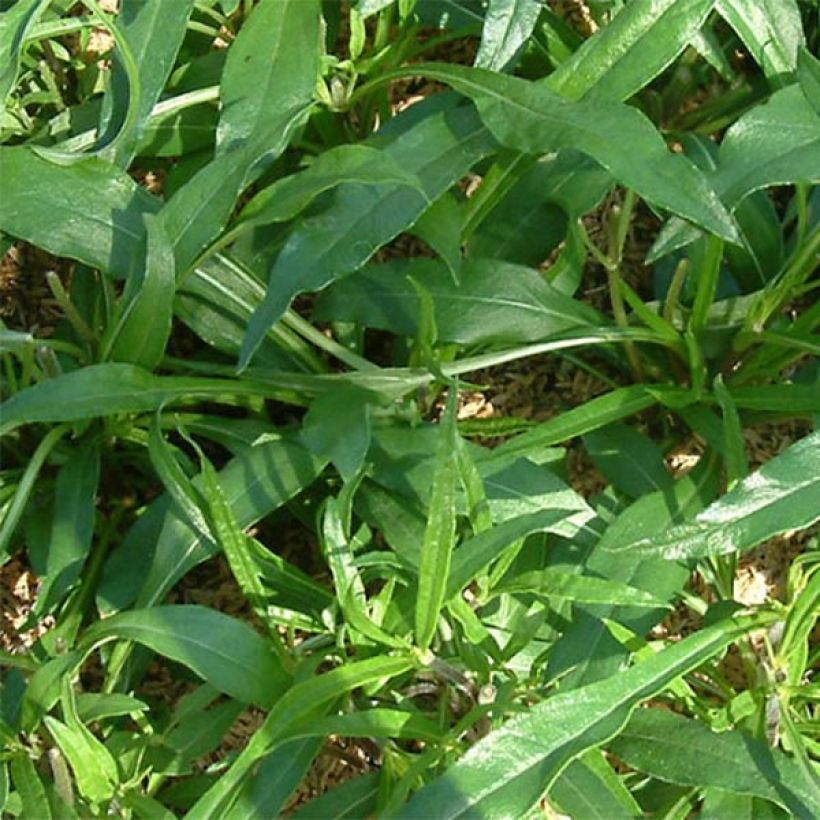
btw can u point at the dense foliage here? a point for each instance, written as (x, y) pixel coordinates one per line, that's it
(359, 212)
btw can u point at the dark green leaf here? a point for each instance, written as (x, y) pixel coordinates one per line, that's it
(223, 651)
(672, 748)
(86, 210)
(508, 25)
(625, 55)
(782, 495)
(506, 773)
(14, 25)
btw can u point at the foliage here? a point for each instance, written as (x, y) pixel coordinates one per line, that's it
(248, 354)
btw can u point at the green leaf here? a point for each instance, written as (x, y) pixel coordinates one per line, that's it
(337, 166)
(223, 651)
(589, 788)
(341, 238)
(551, 583)
(29, 787)
(278, 776)
(508, 25)
(630, 460)
(471, 311)
(670, 747)
(106, 389)
(440, 533)
(808, 73)
(271, 67)
(153, 33)
(355, 799)
(72, 524)
(267, 90)
(638, 44)
(773, 144)
(770, 29)
(95, 770)
(531, 118)
(782, 495)
(618, 404)
(14, 26)
(143, 326)
(283, 720)
(162, 547)
(87, 209)
(506, 773)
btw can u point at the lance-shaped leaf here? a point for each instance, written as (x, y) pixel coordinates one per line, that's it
(14, 25)
(770, 29)
(506, 773)
(339, 239)
(153, 33)
(782, 495)
(87, 210)
(531, 118)
(508, 25)
(629, 52)
(223, 651)
(677, 750)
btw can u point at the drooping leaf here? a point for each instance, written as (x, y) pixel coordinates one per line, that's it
(14, 25)
(531, 118)
(223, 651)
(506, 773)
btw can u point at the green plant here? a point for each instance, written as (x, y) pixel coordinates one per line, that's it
(490, 631)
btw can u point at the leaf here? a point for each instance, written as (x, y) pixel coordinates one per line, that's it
(341, 238)
(440, 228)
(282, 722)
(256, 123)
(440, 532)
(468, 312)
(531, 118)
(271, 67)
(507, 772)
(550, 583)
(161, 547)
(154, 33)
(784, 494)
(33, 798)
(105, 389)
(223, 651)
(770, 29)
(589, 788)
(72, 524)
(290, 195)
(808, 73)
(143, 326)
(631, 461)
(278, 776)
(670, 747)
(593, 414)
(508, 25)
(86, 210)
(14, 26)
(638, 44)
(355, 799)
(777, 143)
